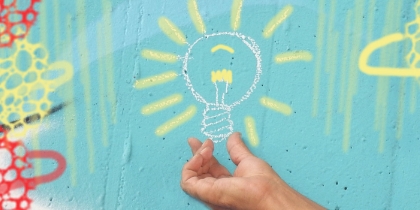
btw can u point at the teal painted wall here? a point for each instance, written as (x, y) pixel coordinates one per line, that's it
(343, 132)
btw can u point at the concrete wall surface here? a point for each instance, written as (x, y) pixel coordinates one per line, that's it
(98, 98)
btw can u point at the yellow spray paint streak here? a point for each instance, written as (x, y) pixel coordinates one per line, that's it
(384, 84)
(176, 121)
(161, 104)
(413, 96)
(159, 56)
(70, 115)
(319, 45)
(31, 87)
(172, 31)
(196, 17)
(109, 61)
(332, 43)
(382, 113)
(344, 61)
(379, 100)
(102, 88)
(251, 131)
(401, 104)
(330, 65)
(330, 31)
(277, 20)
(155, 80)
(353, 71)
(401, 98)
(220, 76)
(85, 79)
(293, 56)
(222, 47)
(331, 88)
(371, 19)
(235, 17)
(276, 106)
(57, 29)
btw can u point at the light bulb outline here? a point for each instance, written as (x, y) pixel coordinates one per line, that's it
(249, 42)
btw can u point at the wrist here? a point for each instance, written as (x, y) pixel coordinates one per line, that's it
(285, 197)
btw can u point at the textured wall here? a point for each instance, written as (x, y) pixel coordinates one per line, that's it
(99, 97)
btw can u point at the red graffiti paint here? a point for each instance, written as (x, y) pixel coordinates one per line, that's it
(14, 168)
(15, 21)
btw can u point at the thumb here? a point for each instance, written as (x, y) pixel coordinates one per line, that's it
(237, 148)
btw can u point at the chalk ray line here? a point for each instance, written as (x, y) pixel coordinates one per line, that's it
(172, 31)
(196, 17)
(162, 104)
(177, 121)
(276, 106)
(159, 56)
(293, 56)
(251, 131)
(276, 21)
(235, 16)
(155, 80)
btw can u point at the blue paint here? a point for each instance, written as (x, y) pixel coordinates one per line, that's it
(139, 170)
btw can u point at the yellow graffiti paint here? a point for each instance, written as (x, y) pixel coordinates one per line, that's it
(331, 65)
(235, 17)
(102, 87)
(220, 76)
(222, 47)
(413, 96)
(371, 19)
(413, 57)
(159, 56)
(70, 118)
(176, 121)
(161, 104)
(24, 89)
(196, 17)
(344, 61)
(318, 65)
(385, 71)
(109, 61)
(401, 105)
(172, 31)
(331, 83)
(293, 56)
(277, 20)
(155, 80)
(353, 75)
(276, 106)
(86, 81)
(251, 131)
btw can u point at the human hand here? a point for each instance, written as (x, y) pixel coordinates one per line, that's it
(253, 185)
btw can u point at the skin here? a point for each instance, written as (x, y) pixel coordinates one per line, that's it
(253, 185)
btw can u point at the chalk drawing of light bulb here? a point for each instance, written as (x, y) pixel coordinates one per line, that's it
(221, 70)
(216, 123)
